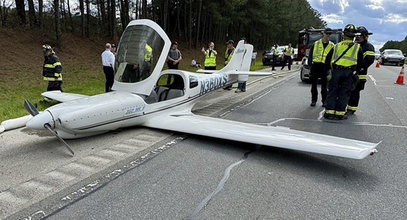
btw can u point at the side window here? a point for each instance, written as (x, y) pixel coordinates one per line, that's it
(193, 82)
(170, 86)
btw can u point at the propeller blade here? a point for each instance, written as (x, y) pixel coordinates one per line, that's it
(30, 108)
(48, 126)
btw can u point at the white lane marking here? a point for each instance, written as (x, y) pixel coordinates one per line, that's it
(373, 79)
(354, 123)
(390, 98)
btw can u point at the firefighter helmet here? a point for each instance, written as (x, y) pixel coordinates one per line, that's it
(363, 31)
(350, 30)
(46, 47)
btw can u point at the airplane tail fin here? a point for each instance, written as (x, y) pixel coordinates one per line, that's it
(241, 58)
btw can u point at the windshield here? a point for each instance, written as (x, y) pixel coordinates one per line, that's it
(316, 36)
(138, 53)
(393, 52)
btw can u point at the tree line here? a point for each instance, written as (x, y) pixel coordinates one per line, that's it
(262, 22)
(401, 45)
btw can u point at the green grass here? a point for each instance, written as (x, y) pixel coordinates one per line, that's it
(12, 100)
(78, 78)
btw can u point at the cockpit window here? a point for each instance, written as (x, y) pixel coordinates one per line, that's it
(138, 53)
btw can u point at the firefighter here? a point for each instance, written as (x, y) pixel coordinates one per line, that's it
(288, 52)
(368, 59)
(345, 62)
(210, 57)
(52, 69)
(316, 59)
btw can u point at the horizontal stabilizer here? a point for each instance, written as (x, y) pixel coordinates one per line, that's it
(62, 96)
(250, 73)
(264, 135)
(207, 71)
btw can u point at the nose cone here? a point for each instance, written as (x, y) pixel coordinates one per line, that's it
(38, 121)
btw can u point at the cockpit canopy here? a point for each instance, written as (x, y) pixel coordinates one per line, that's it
(138, 53)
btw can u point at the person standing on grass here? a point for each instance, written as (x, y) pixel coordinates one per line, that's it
(210, 57)
(52, 69)
(174, 56)
(108, 66)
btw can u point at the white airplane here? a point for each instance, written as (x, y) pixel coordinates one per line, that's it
(144, 95)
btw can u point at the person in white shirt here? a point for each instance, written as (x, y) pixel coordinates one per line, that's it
(108, 66)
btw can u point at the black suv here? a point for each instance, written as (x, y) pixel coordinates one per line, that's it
(268, 57)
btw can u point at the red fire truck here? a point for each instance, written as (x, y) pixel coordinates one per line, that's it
(306, 39)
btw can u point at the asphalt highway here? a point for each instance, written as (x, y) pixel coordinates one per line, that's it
(206, 178)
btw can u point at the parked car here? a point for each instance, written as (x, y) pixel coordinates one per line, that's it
(268, 56)
(389, 56)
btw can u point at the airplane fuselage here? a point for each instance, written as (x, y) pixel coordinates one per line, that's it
(109, 111)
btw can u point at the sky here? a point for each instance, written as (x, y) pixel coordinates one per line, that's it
(386, 19)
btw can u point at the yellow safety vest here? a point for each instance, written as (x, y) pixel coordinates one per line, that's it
(275, 52)
(228, 56)
(289, 51)
(210, 60)
(319, 53)
(368, 53)
(350, 58)
(149, 53)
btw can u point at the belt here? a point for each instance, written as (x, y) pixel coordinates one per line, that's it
(108, 66)
(344, 67)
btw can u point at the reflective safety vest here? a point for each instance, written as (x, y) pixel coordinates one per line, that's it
(52, 69)
(210, 58)
(148, 54)
(228, 56)
(275, 52)
(368, 53)
(319, 53)
(289, 51)
(350, 58)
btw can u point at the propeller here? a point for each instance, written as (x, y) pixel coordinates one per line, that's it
(30, 108)
(34, 112)
(49, 128)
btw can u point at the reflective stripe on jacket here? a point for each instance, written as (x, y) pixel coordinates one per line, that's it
(52, 69)
(319, 53)
(350, 58)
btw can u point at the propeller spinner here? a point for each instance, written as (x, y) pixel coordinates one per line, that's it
(43, 120)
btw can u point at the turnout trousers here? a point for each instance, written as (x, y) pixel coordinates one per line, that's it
(339, 89)
(355, 96)
(318, 71)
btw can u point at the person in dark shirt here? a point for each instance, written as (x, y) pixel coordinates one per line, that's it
(174, 56)
(368, 59)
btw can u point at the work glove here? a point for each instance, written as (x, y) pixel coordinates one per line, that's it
(355, 80)
(329, 76)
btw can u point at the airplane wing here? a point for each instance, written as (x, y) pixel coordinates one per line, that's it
(270, 136)
(62, 96)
